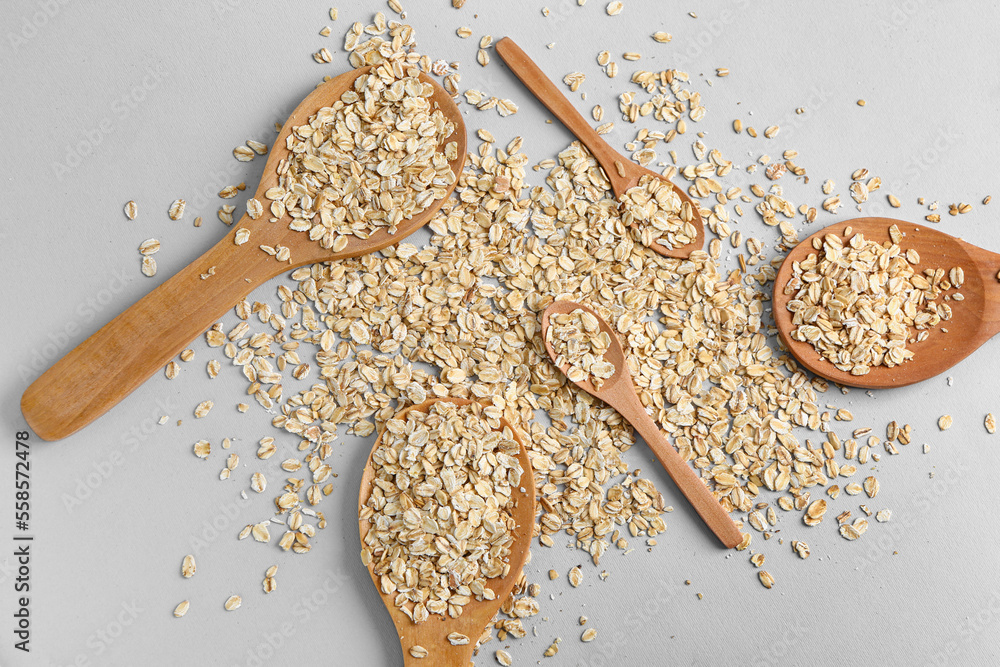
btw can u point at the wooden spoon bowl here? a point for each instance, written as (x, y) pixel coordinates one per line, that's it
(105, 368)
(619, 392)
(974, 320)
(621, 172)
(432, 634)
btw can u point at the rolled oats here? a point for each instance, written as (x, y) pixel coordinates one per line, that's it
(463, 470)
(858, 304)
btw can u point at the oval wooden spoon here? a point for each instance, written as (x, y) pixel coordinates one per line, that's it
(619, 392)
(974, 320)
(105, 368)
(621, 172)
(432, 634)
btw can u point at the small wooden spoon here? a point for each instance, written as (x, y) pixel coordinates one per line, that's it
(621, 172)
(619, 392)
(108, 366)
(974, 320)
(432, 634)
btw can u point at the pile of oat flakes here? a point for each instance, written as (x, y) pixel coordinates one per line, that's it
(460, 317)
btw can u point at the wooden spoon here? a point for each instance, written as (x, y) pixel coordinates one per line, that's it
(108, 366)
(619, 392)
(621, 172)
(432, 634)
(974, 320)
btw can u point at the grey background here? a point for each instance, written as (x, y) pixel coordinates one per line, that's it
(114, 101)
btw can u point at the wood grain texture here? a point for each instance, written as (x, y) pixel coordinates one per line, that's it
(619, 392)
(108, 366)
(432, 634)
(975, 320)
(622, 172)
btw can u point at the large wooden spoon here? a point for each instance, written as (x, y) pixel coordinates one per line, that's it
(974, 320)
(432, 634)
(619, 392)
(621, 172)
(108, 366)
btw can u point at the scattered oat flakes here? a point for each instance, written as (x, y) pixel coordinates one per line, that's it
(148, 266)
(202, 449)
(233, 603)
(188, 566)
(854, 531)
(130, 210)
(176, 210)
(258, 482)
(260, 532)
(814, 513)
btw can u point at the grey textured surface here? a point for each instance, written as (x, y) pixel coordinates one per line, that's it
(109, 102)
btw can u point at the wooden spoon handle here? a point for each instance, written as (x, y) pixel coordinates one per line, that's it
(97, 374)
(542, 87)
(684, 476)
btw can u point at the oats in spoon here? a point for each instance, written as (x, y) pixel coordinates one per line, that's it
(440, 507)
(369, 161)
(857, 303)
(656, 213)
(579, 343)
